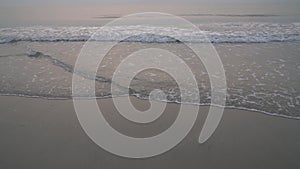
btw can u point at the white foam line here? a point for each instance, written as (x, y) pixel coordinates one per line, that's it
(145, 98)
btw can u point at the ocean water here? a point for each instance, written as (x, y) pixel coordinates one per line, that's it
(235, 32)
(259, 51)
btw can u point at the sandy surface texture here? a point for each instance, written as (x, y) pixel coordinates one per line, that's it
(40, 133)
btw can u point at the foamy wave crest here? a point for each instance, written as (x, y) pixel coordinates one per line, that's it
(216, 32)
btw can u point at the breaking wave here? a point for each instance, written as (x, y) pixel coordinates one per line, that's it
(216, 32)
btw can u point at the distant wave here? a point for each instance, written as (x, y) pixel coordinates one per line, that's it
(107, 17)
(216, 32)
(197, 14)
(232, 15)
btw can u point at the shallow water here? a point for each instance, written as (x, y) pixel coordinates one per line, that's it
(260, 76)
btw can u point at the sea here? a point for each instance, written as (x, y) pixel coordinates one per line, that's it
(259, 46)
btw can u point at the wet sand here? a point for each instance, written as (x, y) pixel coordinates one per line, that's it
(41, 133)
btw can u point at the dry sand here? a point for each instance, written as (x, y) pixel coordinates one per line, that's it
(40, 133)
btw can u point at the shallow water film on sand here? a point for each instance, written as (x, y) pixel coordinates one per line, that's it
(260, 76)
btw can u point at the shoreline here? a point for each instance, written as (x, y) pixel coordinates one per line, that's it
(168, 102)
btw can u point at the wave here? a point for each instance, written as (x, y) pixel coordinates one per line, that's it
(279, 102)
(216, 33)
(196, 15)
(231, 15)
(147, 98)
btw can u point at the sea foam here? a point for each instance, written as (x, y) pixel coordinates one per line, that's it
(216, 33)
